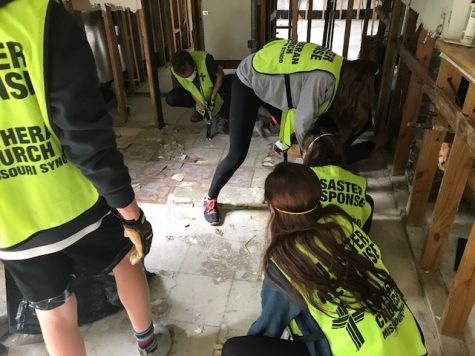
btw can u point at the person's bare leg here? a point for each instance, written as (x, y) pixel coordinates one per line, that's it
(132, 288)
(60, 330)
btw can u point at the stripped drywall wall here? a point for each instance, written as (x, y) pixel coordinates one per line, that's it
(444, 17)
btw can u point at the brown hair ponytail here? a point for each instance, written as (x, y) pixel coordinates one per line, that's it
(293, 188)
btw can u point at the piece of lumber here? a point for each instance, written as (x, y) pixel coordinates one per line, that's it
(151, 64)
(459, 166)
(426, 166)
(463, 56)
(390, 57)
(117, 73)
(159, 42)
(346, 39)
(403, 75)
(425, 46)
(309, 20)
(294, 4)
(126, 42)
(462, 293)
(442, 101)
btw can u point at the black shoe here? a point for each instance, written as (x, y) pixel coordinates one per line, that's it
(196, 117)
(211, 212)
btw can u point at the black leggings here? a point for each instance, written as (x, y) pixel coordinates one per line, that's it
(263, 346)
(242, 117)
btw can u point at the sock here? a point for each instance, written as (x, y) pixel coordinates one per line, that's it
(146, 339)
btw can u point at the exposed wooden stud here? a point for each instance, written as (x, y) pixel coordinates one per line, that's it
(125, 41)
(366, 18)
(340, 15)
(426, 166)
(136, 31)
(358, 7)
(373, 17)
(349, 16)
(175, 21)
(190, 23)
(309, 20)
(152, 75)
(158, 33)
(403, 75)
(168, 28)
(116, 65)
(442, 101)
(425, 46)
(134, 46)
(388, 68)
(294, 4)
(462, 293)
(459, 166)
(197, 25)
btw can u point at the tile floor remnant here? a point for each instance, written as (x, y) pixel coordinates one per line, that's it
(207, 284)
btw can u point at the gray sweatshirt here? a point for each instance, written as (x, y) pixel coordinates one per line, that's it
(308, 90)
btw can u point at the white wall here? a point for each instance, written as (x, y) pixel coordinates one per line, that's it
(226, 28)
(445, 17)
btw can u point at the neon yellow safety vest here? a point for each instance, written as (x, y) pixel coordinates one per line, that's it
(203, 93)
(288, 57)
(39, 188)
(355, 332)
(345, 189)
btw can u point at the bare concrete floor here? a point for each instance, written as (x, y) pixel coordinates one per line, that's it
(208, 278)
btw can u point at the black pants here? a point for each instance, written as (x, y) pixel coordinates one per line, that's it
(242, 117)
(179, 97)
(263, 346)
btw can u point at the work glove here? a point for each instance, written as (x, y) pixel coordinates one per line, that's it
(141, 234)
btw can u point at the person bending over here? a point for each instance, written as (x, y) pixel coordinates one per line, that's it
(304, 81)
(325, 282)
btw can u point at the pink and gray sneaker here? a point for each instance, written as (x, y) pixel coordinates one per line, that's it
(211, 212)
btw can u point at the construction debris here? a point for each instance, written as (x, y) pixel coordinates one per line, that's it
(178, 177)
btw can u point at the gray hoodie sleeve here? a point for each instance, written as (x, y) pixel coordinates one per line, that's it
(317, 87)
(77, 111)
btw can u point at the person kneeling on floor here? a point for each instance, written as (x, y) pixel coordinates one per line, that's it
(203, 85)
(325, 282)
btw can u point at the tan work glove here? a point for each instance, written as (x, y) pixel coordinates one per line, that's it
(141, 234)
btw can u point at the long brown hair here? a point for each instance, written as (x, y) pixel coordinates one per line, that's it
(354, 97)
(294, 188)
(322, 148)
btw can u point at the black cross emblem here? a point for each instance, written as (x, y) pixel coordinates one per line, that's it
(348, 321)
(202, 77)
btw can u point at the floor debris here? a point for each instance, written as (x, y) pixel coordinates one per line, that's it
(178, 177)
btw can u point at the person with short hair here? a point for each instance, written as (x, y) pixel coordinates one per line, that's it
(325, 282)
(66, 196)
(203, 85)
